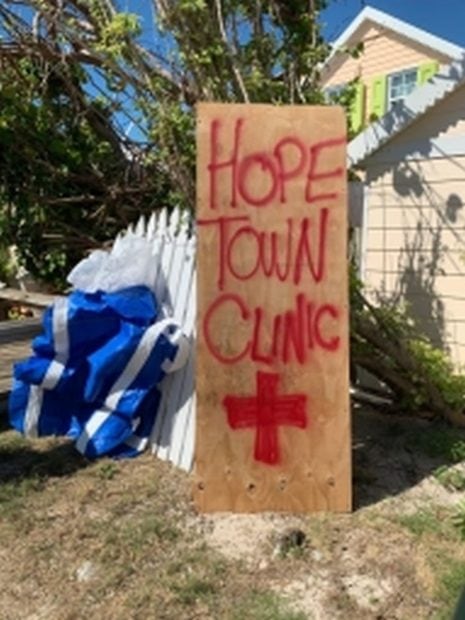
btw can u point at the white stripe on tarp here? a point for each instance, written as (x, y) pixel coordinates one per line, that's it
(130, 372)
(53, 375)
(91, 427)
(181, 341)
(137, 361)
(34, 406)
(60, 328)
(55, 369)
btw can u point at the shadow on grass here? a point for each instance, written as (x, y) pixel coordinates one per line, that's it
(20, 459)
(393, 453)
(4, 424)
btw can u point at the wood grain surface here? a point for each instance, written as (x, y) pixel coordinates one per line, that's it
(273, 426)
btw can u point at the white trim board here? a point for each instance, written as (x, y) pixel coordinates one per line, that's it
(420, 101)
(424, 149)
(431, 41)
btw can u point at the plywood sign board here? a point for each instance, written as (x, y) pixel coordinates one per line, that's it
(273, 430)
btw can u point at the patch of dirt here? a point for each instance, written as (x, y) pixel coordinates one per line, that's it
(247, 537)
(121, 539)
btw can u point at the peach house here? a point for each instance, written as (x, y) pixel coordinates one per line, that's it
(397, 57)
(413, 225)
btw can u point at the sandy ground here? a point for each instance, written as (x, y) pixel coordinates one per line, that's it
(122, 539)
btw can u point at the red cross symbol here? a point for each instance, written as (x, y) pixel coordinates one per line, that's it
(265, 412)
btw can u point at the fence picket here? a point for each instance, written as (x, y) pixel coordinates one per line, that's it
(173, 251)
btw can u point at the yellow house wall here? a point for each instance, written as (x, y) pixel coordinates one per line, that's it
(415, 227)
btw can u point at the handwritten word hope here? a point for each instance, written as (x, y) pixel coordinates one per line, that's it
(285, 162)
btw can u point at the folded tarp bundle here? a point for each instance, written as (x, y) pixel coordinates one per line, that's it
(95, 371)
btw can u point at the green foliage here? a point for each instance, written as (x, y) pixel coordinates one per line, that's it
(6, 268)
(432, 368)
(272, 34)
(386, 341)
(75, 176)
(37, 171)
(68, 180)
(345, 98)
(435, 364)
(266, 52)
(458, 519)
(439, 442)
(115, 33)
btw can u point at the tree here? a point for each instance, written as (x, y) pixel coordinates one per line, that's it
(106, 123)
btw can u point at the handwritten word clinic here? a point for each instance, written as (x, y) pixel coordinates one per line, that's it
(294, 333)
(273, 166)
(295, 253)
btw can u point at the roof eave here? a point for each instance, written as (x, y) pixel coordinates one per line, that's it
(426, 39)
(404, 114)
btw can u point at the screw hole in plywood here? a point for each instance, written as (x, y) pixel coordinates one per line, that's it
(272, 309)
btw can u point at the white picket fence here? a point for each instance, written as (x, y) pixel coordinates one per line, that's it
(174, 248)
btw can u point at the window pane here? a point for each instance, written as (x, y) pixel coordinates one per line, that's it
(333, 91)
(411, 77)
(409, 88)
(400, 85)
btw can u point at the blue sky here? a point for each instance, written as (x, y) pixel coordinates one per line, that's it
(444, 18)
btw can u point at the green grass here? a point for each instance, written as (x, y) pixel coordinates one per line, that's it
(26, 466)
(21, 458)
(192, 589)
(129, 537)
(11, 442)
(440, 524)
(451, 584)
(458, 519)
(450, 478)
(107, 470)
(265, 606)
(14, 495)
(422, 522)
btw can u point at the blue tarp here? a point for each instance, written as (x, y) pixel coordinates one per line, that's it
(95, 371)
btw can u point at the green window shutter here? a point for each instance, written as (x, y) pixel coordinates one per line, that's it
(426, 71)
(378, 96)
(358, 108)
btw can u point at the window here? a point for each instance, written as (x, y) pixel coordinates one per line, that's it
(400, 85)
(332, 92)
